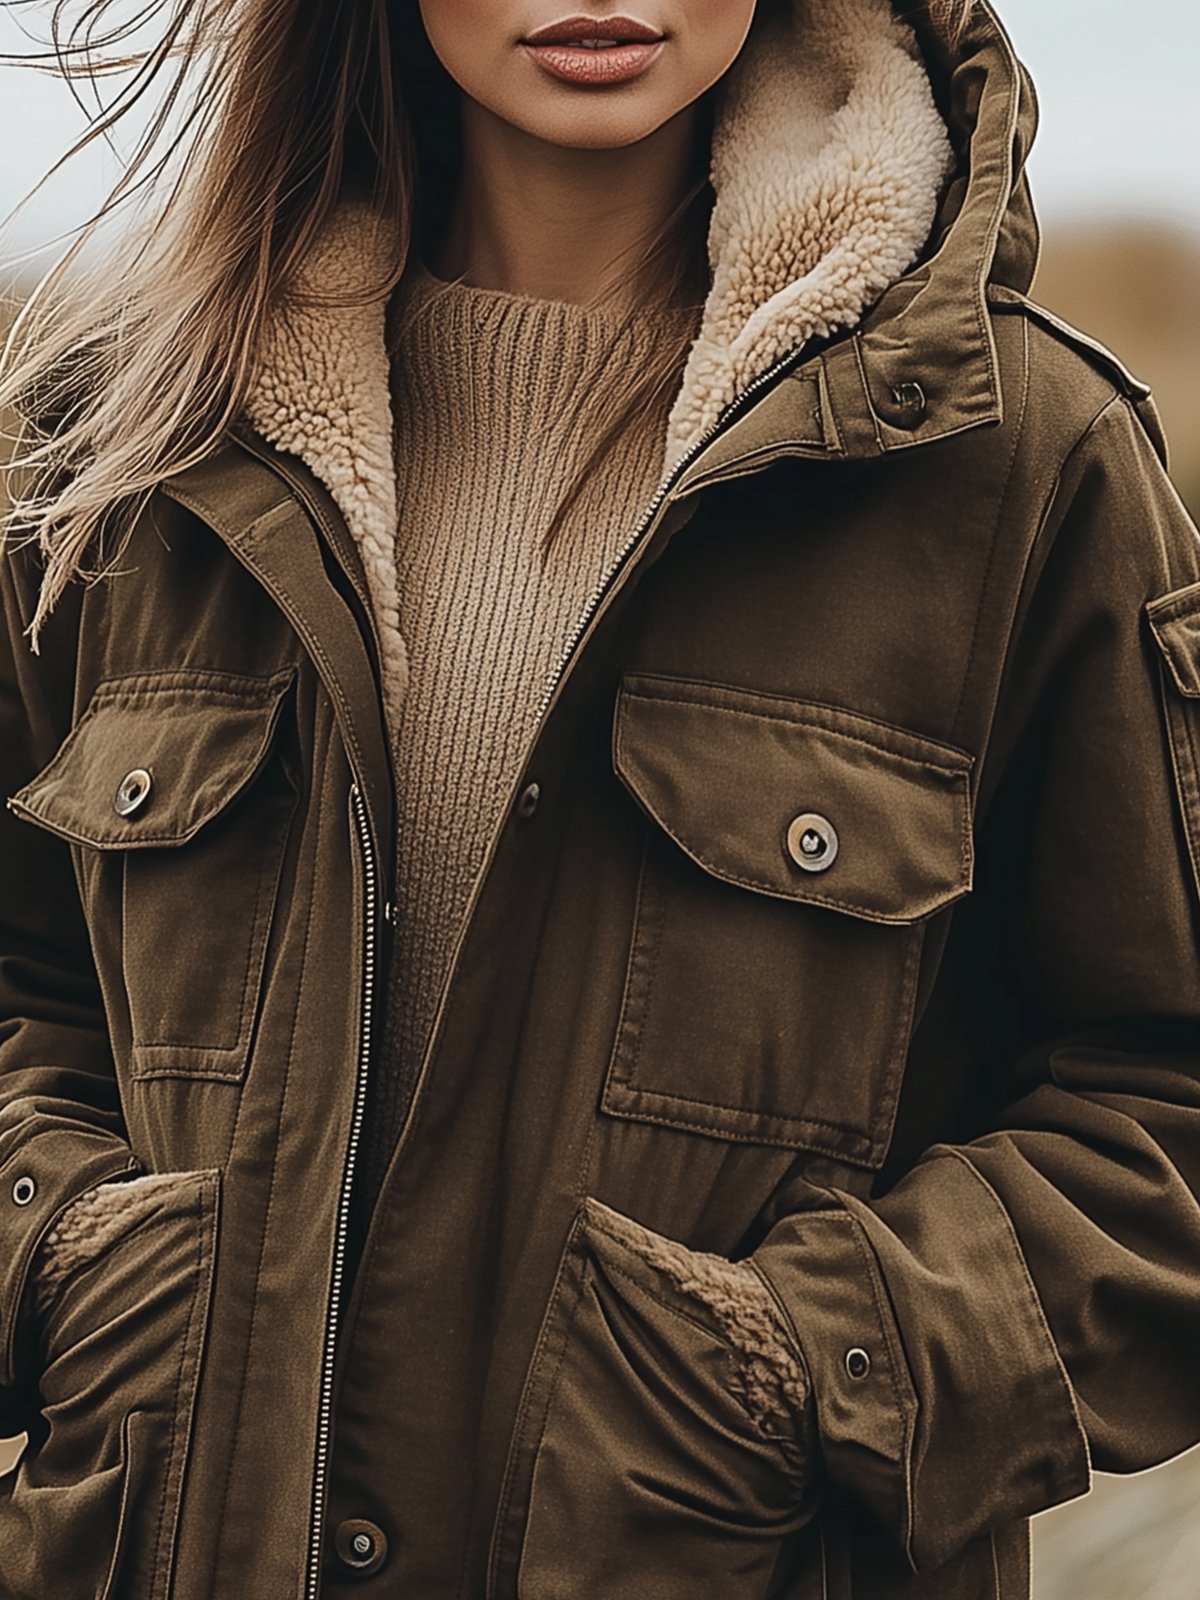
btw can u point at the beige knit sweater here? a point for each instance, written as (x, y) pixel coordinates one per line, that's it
(495, 404)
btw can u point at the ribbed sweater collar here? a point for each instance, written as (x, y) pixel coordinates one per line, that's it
(512, 389)
(430, 319)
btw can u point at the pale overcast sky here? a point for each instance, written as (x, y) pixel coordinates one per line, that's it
(1119, 85)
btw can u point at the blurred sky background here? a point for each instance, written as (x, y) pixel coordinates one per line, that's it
(1116, 176)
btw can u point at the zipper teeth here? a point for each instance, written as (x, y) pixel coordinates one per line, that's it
(584, 619)
(325, 1410)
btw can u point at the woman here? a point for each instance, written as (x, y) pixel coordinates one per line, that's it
(599, 975)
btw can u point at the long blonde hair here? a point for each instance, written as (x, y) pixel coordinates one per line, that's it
(121, 376)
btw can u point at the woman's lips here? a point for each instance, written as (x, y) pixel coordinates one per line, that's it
(604, 64)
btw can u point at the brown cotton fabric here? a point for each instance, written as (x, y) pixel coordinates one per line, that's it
(800, 1188)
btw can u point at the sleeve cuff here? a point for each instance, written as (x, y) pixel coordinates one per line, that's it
(942, 1401)
(38, 1181)
(826, 1279)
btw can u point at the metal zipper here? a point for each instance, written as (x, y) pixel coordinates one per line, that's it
(587, 617)
(325, 1405)
(591, 604)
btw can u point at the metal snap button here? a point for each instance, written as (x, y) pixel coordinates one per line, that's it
(361, 1545)
(528, 802)
(858, 1363)
(909, 400)
(812, 841)
(132, 792)
(23, 1190)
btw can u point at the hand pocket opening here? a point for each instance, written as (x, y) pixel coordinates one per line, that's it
(652, 1454)
(120, 1342)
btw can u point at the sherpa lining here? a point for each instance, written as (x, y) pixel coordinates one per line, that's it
(767, 1375)
(322, 392)
(828, 159)
(91, 1222)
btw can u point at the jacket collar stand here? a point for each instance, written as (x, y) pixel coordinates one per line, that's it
(921, 365)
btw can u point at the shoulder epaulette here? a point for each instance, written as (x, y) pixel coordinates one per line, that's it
(1100, 355)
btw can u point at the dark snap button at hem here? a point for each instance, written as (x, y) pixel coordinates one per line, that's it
(360, 1545)
(527, 804)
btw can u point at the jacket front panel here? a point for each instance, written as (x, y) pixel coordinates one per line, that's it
(826, 949)
(738, 1047)
(632, 1019)
(654, 1006)
(217, 912)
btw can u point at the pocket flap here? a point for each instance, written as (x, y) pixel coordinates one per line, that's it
(180, 745)
(1175, 623)
(727, 772)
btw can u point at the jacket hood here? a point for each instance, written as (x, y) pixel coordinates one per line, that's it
(833, 163)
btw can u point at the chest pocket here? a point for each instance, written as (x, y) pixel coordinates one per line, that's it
(177, 791)
(791, 855)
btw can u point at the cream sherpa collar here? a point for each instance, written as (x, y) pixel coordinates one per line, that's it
(828, 158)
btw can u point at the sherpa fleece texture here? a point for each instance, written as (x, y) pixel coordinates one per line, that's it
(828, 159)
(767, 1373)
(93, 1221)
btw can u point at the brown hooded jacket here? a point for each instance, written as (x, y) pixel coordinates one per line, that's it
(800, 1189)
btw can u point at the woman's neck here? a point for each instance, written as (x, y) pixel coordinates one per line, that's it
(554, 221)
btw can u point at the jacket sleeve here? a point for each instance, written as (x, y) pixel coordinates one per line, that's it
(61, 1128)
(1024, 1302)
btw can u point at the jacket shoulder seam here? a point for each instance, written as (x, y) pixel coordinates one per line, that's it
(1092, 349)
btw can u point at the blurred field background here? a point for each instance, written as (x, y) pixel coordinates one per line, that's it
(1116, 175)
